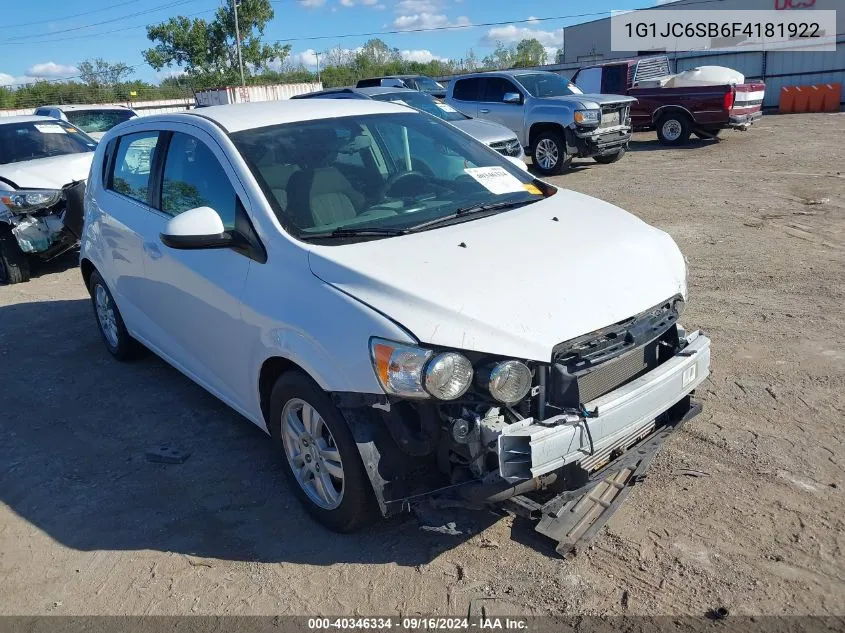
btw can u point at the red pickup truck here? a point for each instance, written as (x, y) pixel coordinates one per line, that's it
(703, 110)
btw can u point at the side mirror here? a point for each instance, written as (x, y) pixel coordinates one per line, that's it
(195, 229)
(512, 97)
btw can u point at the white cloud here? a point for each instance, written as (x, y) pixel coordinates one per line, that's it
(311, 4)
(52, 70)
(6, 79)
(418, 6)
(427, 21)
(510, 34)
(364, 3)
(423, 56)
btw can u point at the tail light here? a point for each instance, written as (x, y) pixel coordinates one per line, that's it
(729, 99)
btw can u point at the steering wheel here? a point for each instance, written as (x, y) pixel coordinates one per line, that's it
(401, 176)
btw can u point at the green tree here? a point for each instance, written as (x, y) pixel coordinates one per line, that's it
(529, 52)
(209, 49)
(502, 57)
(99, 72)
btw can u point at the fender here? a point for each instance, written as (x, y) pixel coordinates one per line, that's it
(655, 116)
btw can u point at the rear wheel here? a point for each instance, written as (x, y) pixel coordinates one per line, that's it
(674, 129)
(606, 159)
(549, 154)
(14, 264)
(321, 458)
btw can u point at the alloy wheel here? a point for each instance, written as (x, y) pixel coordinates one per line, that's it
(105, 315)
(312, 453)
(547, 153)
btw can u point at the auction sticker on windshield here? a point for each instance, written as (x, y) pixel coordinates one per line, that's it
(496, 179)
(445, 107)
(50, 128)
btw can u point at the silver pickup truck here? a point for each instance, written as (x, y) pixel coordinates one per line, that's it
(553, 119)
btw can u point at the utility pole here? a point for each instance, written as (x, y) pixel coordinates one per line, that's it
(319, 80)
(235, 4)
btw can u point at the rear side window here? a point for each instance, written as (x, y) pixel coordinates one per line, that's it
(466, 89)
(133, 164)
(496, 88)
(193, 177)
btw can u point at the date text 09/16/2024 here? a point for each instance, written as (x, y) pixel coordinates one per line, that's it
(418, 623)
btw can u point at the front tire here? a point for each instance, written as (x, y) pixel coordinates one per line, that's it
(674, 129)
(549, 153)
(320, 455)
(117, 339)
(14, 264)
(607, 159)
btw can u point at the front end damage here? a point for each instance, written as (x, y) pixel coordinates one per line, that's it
(45, 223)
(567, 453)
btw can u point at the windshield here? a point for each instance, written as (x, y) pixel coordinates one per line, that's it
(428, 84)
(424, 102)
(548, 85)
(94, 121)
(36, 139)
(385, 172)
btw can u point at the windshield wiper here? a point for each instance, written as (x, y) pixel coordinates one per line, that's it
(463, 212)
(364, 231)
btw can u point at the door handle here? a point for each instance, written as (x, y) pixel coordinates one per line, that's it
(152, 250)
(484, 111)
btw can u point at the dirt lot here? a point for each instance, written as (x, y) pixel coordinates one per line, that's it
(89, 526)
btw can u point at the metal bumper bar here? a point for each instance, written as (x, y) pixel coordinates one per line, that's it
(616, 420)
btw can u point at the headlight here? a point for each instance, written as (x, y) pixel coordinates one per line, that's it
(448, 376)
(508, 381)
(399, 367)
(26, 201)
(414, 372)
(587, 117)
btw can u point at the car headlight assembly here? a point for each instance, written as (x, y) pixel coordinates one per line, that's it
(27, 201)
(448, 376)
(415, 372)
(507, 381)
(587, 118)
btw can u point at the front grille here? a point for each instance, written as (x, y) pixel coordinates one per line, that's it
(613, 115)
(589, 366)
(610, 375)
(507, 148)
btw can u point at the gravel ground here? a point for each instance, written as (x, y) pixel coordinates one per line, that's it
(89, 526)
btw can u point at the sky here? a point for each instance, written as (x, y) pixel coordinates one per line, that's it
(45, 39)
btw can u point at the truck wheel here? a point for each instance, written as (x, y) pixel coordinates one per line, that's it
(610, 158)
(549, 154)
(673, 129)
(14, 264)
(321, 458)
(117, 339)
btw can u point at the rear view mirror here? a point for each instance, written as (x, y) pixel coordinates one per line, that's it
(195, 229)
(512, 97)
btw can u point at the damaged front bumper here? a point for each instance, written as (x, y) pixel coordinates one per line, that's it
(47, 233)
(609, 424)
(597, 141)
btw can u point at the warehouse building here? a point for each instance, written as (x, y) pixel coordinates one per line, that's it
(590, 42)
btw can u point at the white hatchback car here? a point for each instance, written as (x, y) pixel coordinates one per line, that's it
(399, 306)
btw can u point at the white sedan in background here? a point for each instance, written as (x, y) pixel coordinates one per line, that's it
(95, 120)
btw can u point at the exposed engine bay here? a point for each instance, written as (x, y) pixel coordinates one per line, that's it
(623, 386)
(46, 223)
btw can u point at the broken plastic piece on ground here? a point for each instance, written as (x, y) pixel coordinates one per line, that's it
(166, 454)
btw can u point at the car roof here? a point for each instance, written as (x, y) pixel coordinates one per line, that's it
(85, 106)
(246, 116)
(25, 118)
(383, 90)
(516, 72)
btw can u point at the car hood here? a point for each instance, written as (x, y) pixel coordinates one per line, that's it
(485, 131)
(587, 99)
(516, 283)
(48, 173)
